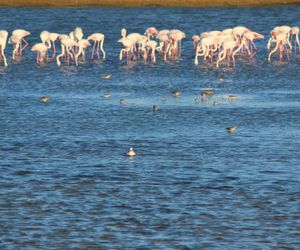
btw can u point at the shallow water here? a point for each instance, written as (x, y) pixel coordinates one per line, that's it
(66, 182)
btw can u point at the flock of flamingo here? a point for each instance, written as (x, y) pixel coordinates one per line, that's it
(213, 46)
(227, 43)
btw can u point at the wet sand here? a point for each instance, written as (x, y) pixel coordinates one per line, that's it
(141, 3)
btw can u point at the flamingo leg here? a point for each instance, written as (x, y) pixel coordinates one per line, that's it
(287, 53)
(228, 58)
(98, 50)
(94, 50)
(54, 49)
(26, 44)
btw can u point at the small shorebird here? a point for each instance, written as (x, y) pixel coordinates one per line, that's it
(163, 99)
(106, 76)
(131, 152)
(106, 95)
(44, 99)
(154, 108)
(222, 78)
(231, 129)
(208, 92)
(176, 93)
(232, 97)
(122, 101)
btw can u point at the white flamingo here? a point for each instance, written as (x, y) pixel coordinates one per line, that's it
(3, 40)
(98, 39)
(41, 50)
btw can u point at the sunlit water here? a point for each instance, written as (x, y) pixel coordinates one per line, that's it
(66, 182)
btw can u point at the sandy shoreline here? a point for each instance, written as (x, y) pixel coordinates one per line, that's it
(141, 3)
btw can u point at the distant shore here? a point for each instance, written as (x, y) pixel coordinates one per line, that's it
(144, 3)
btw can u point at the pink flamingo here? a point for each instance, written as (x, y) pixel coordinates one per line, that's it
(16, 39)
(176, 37)
(281, 41)
(134, 37)
(228, 47)
(66, 45)
(78, 34)
(196, 39)
(41, 50)
(3, 40)
(238, 32)
(164, 44)
(52, 38)
(128, 44)
(150, 45)
(206, 46)
(247, 42)
(82, 44)
(98, 40)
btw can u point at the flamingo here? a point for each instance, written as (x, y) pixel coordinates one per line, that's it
(52, 38)
(164, 44)
(281, 41)
(247, 42)
(150, 45)
(98, 39)
(238, 32)
(16, 39)
(45, 39)
(82, 44)
(228, 47)
(176, 36)
(3, 40)
(41, 50)
(128, 44)
(134, 37)
(206, 45)
(280, 29)
(78, 34)
(66, 44)
(45, 36)
(196, 39)
(142, 44)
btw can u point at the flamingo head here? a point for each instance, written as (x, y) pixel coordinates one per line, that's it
(86, 43)
(123, 32)
(257, 35)
(196, 38)
(26, 33)
(151, 31)
(274, 32)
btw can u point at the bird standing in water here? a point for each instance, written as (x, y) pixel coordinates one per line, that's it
(131, 152)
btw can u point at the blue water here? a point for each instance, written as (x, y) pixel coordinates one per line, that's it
(66, 182)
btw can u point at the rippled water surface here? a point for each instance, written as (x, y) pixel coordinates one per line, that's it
(66, 182)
